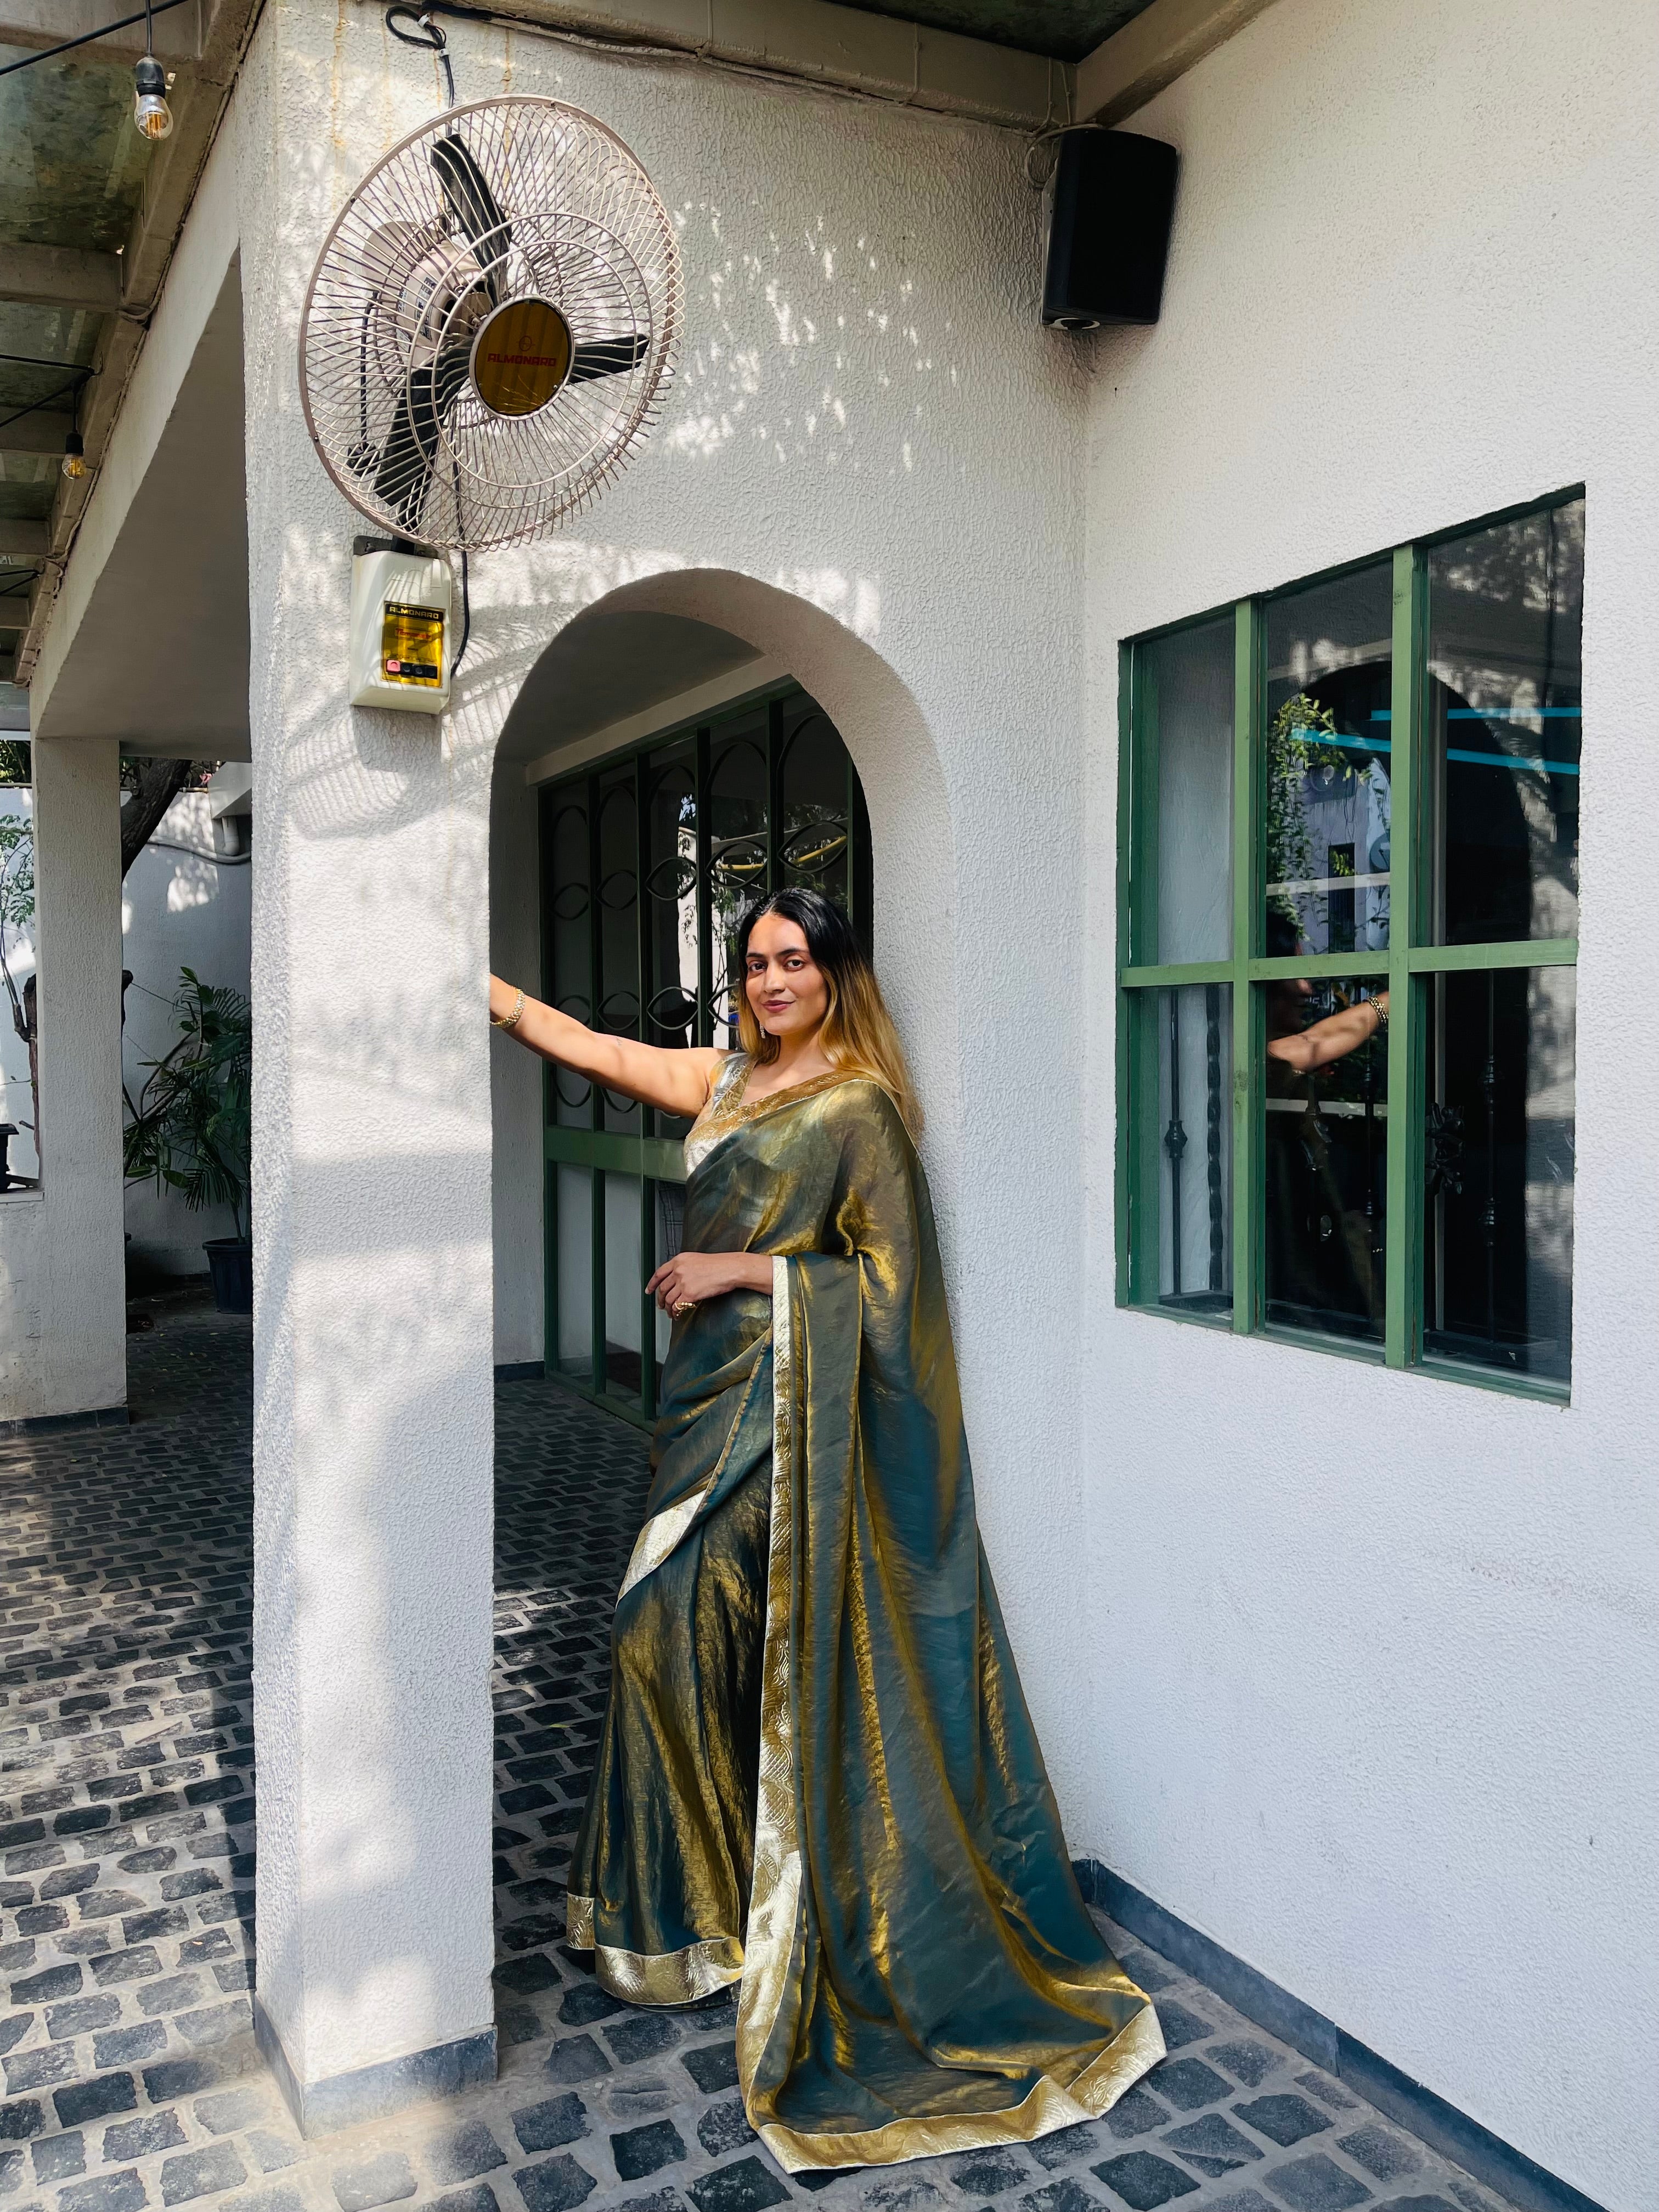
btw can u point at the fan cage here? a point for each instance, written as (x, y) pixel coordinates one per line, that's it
(401, 287)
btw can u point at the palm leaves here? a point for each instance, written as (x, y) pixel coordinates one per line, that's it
(188, 1128)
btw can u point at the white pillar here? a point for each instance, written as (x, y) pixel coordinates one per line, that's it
(62, 1290)
(373, 1371)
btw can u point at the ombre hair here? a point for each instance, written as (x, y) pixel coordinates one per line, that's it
(857, 1034)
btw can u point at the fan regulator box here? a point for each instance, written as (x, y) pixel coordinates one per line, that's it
(401, 647)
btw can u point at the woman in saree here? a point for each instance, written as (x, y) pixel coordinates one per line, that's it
(818, 1777)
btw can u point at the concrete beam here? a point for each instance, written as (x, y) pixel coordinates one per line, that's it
(41, 23)
(199, 102)
(39, 431)
(1162, 43)
(22, 541)
(823, 43)
(61, 277)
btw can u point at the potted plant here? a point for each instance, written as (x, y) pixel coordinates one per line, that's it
(188, 1127)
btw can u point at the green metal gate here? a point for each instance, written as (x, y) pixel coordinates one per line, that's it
(647, 858)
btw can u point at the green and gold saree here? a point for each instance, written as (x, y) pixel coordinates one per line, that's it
(818, 1776)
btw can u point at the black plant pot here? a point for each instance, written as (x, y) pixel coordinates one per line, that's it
(230, 1259)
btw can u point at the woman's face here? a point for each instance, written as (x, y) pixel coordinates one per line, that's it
(789, 992)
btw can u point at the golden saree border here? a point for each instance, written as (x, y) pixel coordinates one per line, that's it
(1135, 2050)
(665, 1532)
(773, 1937)
(719, 1120)
(774, 1887)
(645, 1978)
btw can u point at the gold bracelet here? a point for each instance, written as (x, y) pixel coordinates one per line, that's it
(511, 1021)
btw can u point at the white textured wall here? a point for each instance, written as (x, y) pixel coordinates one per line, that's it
(181, 906)
(1366, 1683)
(872, 470)
(63, 1303)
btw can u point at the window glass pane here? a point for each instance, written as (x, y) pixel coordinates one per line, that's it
(574, 1214)
(1183, 721)
(737, 847)
(569, 925)
(670, 1240)
(1330, 685)
(1327, 1084)
(1194, 1044)
(624, 1278)
(1498, 1169)
(1504, 707)
(619, 928)
(813, 832)
(671, 892)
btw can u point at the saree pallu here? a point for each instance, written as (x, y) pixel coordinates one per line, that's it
(817, 1776)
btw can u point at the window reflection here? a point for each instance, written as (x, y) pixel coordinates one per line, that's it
(1194, 1058)
(1184, 720)
(1330, 682)
(1327, 1147)
(1505, 718)
(1499, 1171)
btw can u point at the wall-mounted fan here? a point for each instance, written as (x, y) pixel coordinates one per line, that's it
(491, 324)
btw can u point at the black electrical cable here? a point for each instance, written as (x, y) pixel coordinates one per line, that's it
(467, 620)
(87, 38)
(35, 405)
(434, 41)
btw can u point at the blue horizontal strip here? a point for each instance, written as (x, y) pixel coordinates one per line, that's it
(1497, 713)
(1517, 761)
(1514, 761)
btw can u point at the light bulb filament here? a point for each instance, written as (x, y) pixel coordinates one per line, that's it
(150, 112)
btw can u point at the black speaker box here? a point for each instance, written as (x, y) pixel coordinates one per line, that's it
(1111, 202)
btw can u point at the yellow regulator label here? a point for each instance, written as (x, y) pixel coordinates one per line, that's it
(412, 644)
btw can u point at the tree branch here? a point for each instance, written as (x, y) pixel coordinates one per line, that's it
(159, 782)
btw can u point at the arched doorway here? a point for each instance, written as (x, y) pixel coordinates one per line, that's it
(646, 853)
(823, 730)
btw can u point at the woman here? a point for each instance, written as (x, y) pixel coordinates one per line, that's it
(818, 1776)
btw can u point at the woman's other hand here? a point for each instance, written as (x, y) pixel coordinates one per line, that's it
(690, 1277)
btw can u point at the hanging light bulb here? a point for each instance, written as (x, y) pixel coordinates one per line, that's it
(151, 111)
(74, 456)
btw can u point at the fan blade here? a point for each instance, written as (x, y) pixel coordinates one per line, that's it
(472, 206)
(405, 474)
(607, 357)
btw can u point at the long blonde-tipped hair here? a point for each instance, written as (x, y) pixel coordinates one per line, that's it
(857, 1034)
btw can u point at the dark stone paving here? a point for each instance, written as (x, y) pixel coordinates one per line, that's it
(126, 1883)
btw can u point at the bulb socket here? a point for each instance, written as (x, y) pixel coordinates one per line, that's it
(150, 112)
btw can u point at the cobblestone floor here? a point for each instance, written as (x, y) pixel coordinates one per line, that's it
(127, 1845)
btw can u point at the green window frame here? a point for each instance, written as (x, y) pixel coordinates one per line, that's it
(1238, 1081)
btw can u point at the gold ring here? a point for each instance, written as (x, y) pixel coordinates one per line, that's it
(685, 1306)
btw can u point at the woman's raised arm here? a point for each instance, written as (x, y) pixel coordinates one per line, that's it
(674, 1082)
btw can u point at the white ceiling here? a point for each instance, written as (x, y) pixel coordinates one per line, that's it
(605, 668)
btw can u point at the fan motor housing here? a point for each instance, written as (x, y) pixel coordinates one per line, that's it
(521, 356)
(401, 648)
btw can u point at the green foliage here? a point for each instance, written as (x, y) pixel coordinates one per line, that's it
(1294, 748)
(188, 1129)
(15, 764)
